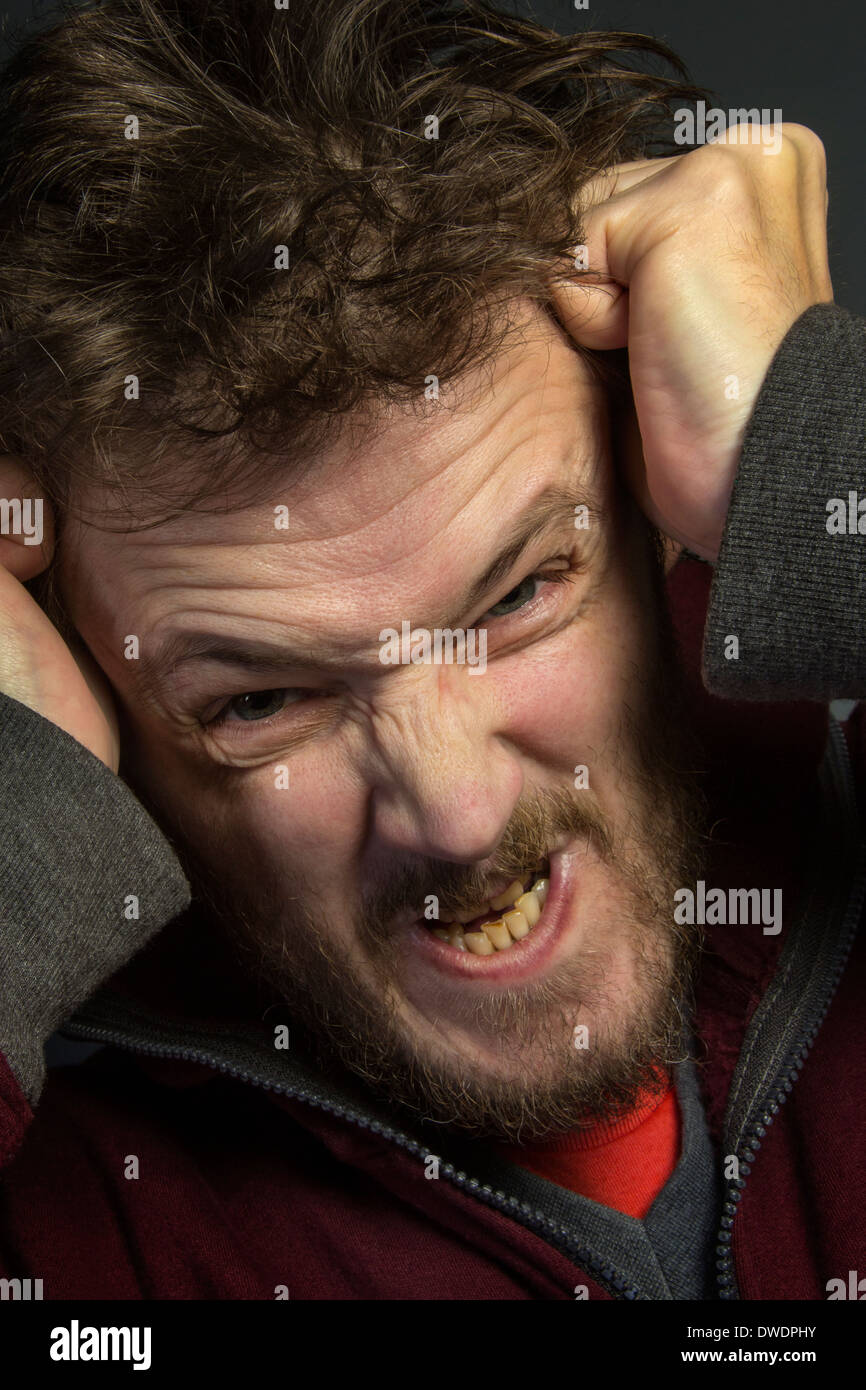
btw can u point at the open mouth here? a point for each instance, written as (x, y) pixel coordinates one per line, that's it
(499, 923)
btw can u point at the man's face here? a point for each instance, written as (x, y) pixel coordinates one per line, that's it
(326, 799)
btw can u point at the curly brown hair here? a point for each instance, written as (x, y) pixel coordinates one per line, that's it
(283, 237)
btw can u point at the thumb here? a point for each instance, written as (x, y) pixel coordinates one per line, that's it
(593, 315)
(593, 310)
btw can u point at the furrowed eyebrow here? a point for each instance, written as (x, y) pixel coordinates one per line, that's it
(548, 512)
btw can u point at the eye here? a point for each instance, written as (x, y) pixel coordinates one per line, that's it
(526, 592)
(518, 597)
(256, 704)
(278, 709)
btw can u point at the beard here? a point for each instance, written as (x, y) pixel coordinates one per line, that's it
(354, 1021)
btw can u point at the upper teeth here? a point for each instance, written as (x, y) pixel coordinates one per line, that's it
(501, 932)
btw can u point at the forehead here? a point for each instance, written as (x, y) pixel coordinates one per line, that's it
(381, 508)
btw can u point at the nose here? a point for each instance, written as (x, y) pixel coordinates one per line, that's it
(445, 782)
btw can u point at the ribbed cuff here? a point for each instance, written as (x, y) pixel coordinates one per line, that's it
(86, 878)
(787, 611)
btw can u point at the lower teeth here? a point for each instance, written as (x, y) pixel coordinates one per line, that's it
(500, 933)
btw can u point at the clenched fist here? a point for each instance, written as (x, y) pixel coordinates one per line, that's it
(702, 262)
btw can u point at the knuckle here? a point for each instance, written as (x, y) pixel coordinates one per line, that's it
(721, 163)
(806, 143)
(727, 174)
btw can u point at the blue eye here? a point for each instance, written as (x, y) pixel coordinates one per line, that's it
(256, 704)
(518, 597)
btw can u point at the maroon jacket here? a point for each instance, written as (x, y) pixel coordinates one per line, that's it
(258, 1179)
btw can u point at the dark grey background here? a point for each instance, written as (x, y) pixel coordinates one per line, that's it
(805, 57)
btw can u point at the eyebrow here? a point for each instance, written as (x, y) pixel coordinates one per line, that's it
(549, 511)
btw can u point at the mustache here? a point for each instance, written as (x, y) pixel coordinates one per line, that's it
(534, 828)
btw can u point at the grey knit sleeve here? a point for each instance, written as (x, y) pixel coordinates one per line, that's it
(787, 611)
(86, 878)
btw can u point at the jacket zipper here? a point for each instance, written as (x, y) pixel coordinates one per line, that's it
(756, 1128)
(751, 1143)
(603, 1274)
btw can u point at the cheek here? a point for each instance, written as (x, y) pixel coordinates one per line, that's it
(304, 812)
(563, 703)
(266, 827)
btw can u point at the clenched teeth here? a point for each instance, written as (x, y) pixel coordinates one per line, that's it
(511, 894)
(525, 899)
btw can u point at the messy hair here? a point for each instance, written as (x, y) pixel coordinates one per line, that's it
(226, 224)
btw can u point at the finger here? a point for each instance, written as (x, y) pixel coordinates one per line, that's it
(596, 316)
(594, 310)
(620, 178)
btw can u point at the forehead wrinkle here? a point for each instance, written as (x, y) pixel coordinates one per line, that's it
(275, 561)
(449, 437)
(538, 387)
(548, 511)
(151, 553)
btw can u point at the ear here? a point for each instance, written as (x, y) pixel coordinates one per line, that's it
(628, 449)
(26, 521)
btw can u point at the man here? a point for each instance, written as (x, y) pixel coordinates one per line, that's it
(353, 593)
